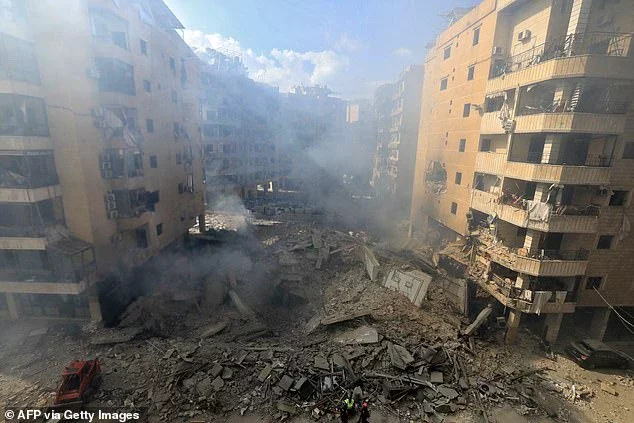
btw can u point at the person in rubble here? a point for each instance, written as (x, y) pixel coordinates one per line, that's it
(364, 414)
(349, 404)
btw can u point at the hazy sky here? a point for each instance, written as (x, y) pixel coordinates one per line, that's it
(350, 45)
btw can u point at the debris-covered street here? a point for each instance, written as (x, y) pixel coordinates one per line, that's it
(294, 317)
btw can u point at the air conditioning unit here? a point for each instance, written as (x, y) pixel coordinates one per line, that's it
(96, 112)
(113, 214)
(107, 174)
(94, 73)
(111, 205)
(106, 165)
(110, 196)
(524, 35)
(497, 50)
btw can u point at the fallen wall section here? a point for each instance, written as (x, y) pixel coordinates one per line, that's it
(413, 284)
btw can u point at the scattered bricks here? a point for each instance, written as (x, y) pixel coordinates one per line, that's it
(286, 382)
(286, 407)
(264, 374)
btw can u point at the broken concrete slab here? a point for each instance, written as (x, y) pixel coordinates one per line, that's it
(606, 387)
(286, 407)
(227, 373)
(321, 363)
(399, 356)
(116, 336)
(320, 320)
(216, 370)
(361, 335)
(371, 263)
(479, 320)
(204, 387)
(448, 392)
(436, 377)
(218, 383)
(413, 284)
(214, 329)
(286, 382)
(241, 306)
(264, 374)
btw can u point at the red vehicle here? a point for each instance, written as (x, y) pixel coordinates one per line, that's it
(78, 380)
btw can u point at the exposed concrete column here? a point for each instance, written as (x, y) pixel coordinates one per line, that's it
(531, 240)
(541, 192)
(13, 307)
(95, 309)
(553, 323)
(599, 323)
(552, 149)
(579, 16)
(202, 226)
(512, 325)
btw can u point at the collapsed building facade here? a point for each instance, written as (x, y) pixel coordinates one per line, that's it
(397, 114)
(239, 127)
(525, 153)
(100, 152)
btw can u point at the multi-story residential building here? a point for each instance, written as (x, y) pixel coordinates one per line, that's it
(100, 153)
(527, 126)
(397, 111)
(356, 148)
(239, 119)
(309, 118)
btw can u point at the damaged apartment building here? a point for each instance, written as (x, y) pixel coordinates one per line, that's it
(526, 153)
(397, 114)
(239, 129)
(100, 153)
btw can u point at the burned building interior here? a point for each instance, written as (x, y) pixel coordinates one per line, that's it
(209, 233)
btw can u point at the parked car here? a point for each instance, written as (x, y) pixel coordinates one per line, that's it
(591, 354)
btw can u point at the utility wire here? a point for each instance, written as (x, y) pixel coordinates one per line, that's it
(625, 322)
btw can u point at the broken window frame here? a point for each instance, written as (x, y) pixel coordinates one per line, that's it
(32, 169)
(22, 115)
(18, 61)
(115, 76)
(102, 25)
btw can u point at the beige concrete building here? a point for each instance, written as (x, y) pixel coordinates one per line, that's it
(526, 149)
(100, 153)
(397, 115)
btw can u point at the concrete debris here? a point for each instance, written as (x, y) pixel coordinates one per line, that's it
(115, 336)
(413, 284)
(321, 363)
(399, 356)
(605, 387)
(436, 377)
(264, 374)
(286, 382)
(218, 383)
(371, 263)
(214, 329)
(361, 335)
(479, 321)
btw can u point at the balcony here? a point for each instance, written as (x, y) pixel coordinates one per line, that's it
(518, 299)
(599, 54)
(593, 172)
(564, 122)
(562, 219)
(16, 195)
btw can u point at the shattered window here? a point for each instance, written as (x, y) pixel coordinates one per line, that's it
(109, 28)
(22, 116)
(17, 60)
(115, 76)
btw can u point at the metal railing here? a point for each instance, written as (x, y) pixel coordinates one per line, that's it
(564, 255)
(596, 43)
(598, 107)
(591, 160)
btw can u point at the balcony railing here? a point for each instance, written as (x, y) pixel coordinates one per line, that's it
(561, 255)
(595, 43)
(592, 160)
(597, 107)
